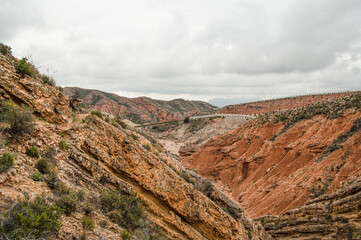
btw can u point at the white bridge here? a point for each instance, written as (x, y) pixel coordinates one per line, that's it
(224, 115)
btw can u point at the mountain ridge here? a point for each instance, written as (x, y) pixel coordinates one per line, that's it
(139, 109)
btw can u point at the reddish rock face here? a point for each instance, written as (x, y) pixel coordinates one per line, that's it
(270, 177)
(278, 104)
(141, 109)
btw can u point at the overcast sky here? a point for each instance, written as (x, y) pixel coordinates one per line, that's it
(195, 49)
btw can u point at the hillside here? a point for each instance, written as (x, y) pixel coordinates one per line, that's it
(272, 166)
(278, 104)
(141, 109)
(65, 175)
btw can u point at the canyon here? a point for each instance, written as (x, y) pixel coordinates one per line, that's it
(291, 172)
(285, 160)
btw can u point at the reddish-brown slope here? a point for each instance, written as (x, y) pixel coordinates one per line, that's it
(141, 109)
(278, 104)
(274, 176)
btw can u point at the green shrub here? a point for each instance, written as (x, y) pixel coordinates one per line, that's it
(19, 119)
(52, 179)
(124, 210)
(126, 235)
(32, 151)
(87, 223)
(68, 203)
(97, 113)
(149, 231)
(50, 155)
(63, 144)
(38, 177)
(4, 49)
(23, 67)
(44, 166)
(6, 162)
(32, 220)
(48, 80)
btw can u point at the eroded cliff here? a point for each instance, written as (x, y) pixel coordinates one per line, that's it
(285, 158)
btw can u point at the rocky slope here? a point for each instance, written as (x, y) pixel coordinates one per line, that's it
(332, 216)
(285, 158)
(91, 156)
(141, 109)
(278, 104)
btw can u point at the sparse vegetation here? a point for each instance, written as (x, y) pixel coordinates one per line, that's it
(23, 67)
(19, 119)
(332, 109)
(32, 151)
(44, 166)
(38, 177)
(338, 142)
(52, 179)
(127, 211)
(88, 224)
(6, 162)
(48, 80)
(63, 144)
(68, 203)
(126, 235)
(34, 219)
(4, 49)
(97, 113)
(122, 209)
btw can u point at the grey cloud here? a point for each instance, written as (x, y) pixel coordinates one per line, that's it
(16, 15)
(202, 48)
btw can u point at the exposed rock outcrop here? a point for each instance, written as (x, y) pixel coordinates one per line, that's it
(47, 101)
(332, 216)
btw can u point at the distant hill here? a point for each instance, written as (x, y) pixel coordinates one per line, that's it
(141, 109)
(279, 104)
